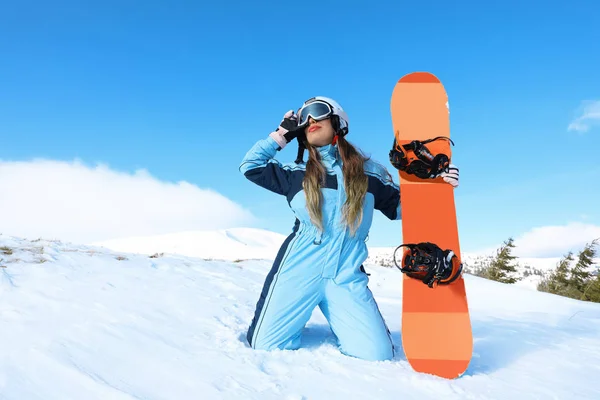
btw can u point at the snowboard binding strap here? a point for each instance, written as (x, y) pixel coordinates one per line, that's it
(426, 165)
(427, 262)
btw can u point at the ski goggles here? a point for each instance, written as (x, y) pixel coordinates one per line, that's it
(317, 110)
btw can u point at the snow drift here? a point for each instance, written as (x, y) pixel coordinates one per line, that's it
(88, 322)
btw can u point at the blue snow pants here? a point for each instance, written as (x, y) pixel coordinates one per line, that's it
(323, 269)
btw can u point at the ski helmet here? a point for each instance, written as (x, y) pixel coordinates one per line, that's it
(320, 107)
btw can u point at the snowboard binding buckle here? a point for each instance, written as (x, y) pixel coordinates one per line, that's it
(427, 262)
(426, 165)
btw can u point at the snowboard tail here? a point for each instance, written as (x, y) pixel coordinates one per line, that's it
(436, 326)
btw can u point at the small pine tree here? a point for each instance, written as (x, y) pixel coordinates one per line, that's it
(581, 277)
(592, 291)
(501, 267)
(558, 280)
(576, 282)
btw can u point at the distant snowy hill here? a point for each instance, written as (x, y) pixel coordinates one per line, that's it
(250, 243)
(86, 322)
(225, 244)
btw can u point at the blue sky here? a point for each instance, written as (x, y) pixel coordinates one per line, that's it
(184, 89)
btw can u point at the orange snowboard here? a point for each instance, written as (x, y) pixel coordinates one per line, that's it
(436, 327)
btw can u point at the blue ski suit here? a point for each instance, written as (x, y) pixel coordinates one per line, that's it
(320, 269)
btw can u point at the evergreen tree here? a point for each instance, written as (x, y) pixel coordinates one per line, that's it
(592, 291)
(558, 280)
(576, 282)
(501, 268)
(581, 277)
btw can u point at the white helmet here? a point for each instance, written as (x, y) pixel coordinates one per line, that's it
(320, 113)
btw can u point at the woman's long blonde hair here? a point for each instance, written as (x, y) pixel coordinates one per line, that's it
(355, 181)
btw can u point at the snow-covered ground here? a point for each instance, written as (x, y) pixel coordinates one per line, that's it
(86, 322)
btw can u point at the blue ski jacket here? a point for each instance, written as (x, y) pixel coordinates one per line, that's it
(320, 269)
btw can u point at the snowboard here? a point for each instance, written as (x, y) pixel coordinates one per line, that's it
(436, 327)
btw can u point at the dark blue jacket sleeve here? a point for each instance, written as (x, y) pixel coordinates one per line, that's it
(385, 191)
(388, 201)
(260, 167)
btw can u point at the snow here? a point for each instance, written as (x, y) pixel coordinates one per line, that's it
(89, 322)
(224, 244)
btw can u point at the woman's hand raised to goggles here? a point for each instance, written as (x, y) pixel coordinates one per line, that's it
(287, 130)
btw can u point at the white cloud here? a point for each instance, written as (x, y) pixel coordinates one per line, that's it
(555, 241)
(75, 202)
(589, 115)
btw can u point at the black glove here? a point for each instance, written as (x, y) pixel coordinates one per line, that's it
(287, 130)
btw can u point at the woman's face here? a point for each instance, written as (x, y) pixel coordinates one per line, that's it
(319, 133)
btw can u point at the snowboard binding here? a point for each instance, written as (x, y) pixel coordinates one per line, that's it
(427, 262)
(426, 165)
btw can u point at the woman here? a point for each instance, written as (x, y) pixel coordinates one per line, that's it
(333, 196)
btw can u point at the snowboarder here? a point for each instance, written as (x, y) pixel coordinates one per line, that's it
(333, 196)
